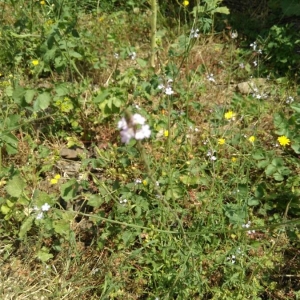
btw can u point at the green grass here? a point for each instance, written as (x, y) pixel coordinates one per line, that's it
(206, 208)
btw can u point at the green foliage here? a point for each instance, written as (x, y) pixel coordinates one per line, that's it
(205, 208)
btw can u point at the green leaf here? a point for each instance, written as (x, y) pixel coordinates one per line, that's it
(5, 209)
(142, 63)
(69, 190)
(222, 10)
(252, 202)
(74, 54)
(44, 254)
(15, 186)
(277, 162)
(29, 94)
(42, 101)
(26, 226)
(11, 143)
(263, 164)
(193, 180)
(278, 177)
(296, 107)
(18, 95)
(62, 227)
(96, 201)
(270, 170)
(258, 155)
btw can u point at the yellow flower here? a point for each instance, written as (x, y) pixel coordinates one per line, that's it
(42, 2)
(230, 115)
(233, 159)
(166, 133)
(35, 62)
(185, 3)
(145, 182)
(283, 140)
(55, 179)
(252, 139)
(221, 141)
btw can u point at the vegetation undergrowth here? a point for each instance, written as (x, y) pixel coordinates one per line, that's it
(146, 155)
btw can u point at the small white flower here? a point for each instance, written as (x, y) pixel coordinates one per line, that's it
(241, 65)
(116, 56)
(255, 63)
(289, 100)
(132, 55)
(137, 119)
(211, 78)
(169, 91)
(170, 81)
(194, 33)
(143, 132)
(234, 34)
(137, 107)
(259, 51)
(45, 207)
(253, 46)
(161, 86)
(122, 124)
(137, 181)
(39, 216)
(127, 135)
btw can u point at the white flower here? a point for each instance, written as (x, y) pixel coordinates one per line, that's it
(259, 51)
(127, 135)
(289, 100)
(132, 55)
(143, 132)
(161, 86)
(210, 77)
(169, 91)
(255, 63)
(137, 119)
(253, 46)
(116, 55)
(45, 207)
(234, 34)
(39, 216)
(122, 124)
(138, 181)
(241, 65)
(194, 33)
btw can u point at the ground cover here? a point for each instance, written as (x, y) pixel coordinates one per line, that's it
(133, 170)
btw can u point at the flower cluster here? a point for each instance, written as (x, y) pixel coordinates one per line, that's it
(211, 155)
(40, 211)
(168, 89)
(135, 128)
(247, 225)
(194, 33)
(230, 115)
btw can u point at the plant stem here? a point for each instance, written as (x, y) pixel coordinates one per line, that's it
(153, 32)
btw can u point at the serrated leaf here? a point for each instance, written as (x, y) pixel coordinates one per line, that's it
(42, 101)
(15, 186)
(26, 226)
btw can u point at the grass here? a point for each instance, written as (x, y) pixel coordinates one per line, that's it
(206, 208)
